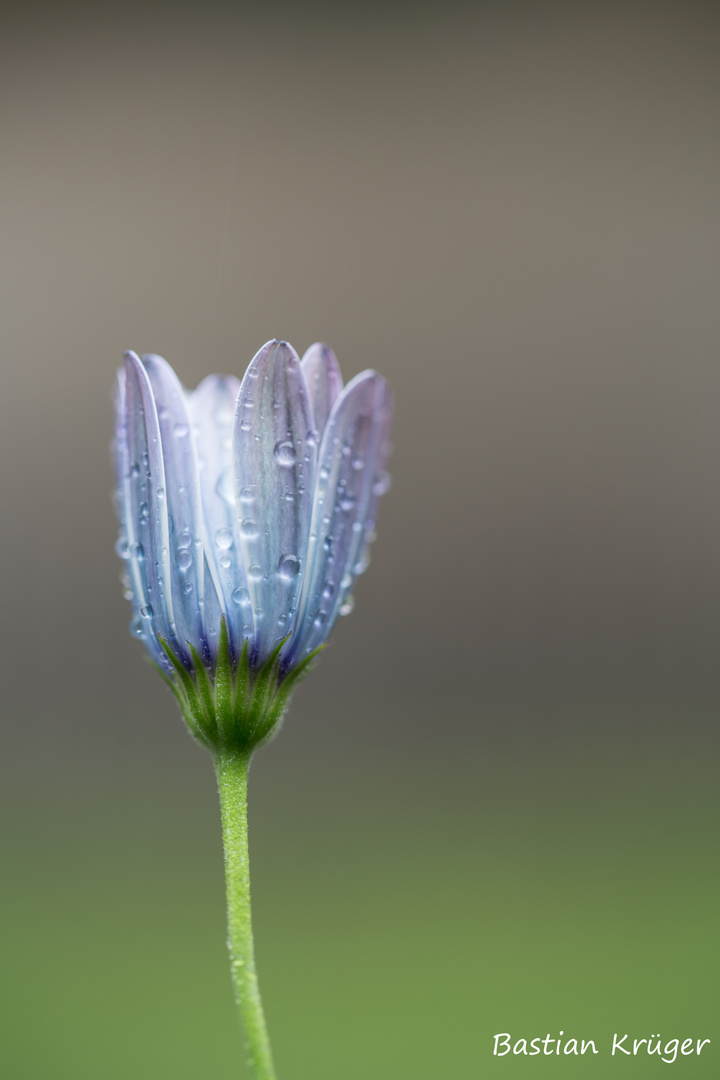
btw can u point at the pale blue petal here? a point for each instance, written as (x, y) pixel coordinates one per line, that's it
(134, 573)
(274, 454)
(184, 504)
(351, 478)
(146, 514)
(212, 408)
(323, 380)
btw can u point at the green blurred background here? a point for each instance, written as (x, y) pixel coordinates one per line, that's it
(494, 806)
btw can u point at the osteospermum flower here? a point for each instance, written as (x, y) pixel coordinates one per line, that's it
(247, 509)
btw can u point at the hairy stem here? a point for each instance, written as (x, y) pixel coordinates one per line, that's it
(232, 772)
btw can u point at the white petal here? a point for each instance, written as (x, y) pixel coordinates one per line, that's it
(323, 380)
(274, 456)
(350, 479)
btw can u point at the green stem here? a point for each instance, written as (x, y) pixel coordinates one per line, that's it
(232, 772)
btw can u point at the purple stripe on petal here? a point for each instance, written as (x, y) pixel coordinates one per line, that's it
(274, 454)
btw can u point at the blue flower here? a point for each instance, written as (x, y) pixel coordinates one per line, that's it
(247, 509)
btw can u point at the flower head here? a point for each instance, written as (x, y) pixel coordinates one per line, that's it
(246, 510)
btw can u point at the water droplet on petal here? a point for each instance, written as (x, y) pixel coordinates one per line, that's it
(146, 611)
(241, 595)
(137, 629)
(223, 539)
(180, 431)
(226, 562)
(184, 559)
(347, 605)
(382, 483)
(160, 493)
(288, 567)
(121, 548)
(358, 464)
(255, 572)
(347, 503)
(285, 453)
(188, 587)
(245, 425)
(246, 494)
(249, 528)
(138, 552)
(184, 539)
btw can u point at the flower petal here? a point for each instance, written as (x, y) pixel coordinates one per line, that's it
(323, 380)
(351, 478)
(274, 456)
(184, 505)
(212, 407)
(146, 514)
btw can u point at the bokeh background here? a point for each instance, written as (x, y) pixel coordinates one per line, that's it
(494, 806)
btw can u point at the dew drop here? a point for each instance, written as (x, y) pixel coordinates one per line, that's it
(245, 425)
(184, 559)
(223, 539)
(288, 567)
(382, 483)
(328, 591)
(347, 503)
(137, 629)
(121, 548)
(346, 581)
(135, 469)
(143, 513)
(363, 562)
(241, 595)
(160, 493)
(138, 552)
(249, 528)
(255, 572)
(184, 540)
(285, 453)
(347, 605)
(358, 464)
(188, 587)
(181, 431)
(146, 611)
(246, 494)
(226, 562)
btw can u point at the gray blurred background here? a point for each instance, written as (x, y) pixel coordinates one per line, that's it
(511, 211)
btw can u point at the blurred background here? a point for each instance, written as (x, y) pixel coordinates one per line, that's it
(494, 806)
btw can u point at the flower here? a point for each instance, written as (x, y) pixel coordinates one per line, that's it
(246, 511)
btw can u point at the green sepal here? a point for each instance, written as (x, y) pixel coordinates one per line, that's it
(264, 690)
(224, 684)
(201, 725)
(242, 682)
(234, 707)
(270, 724)
(204, 688)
